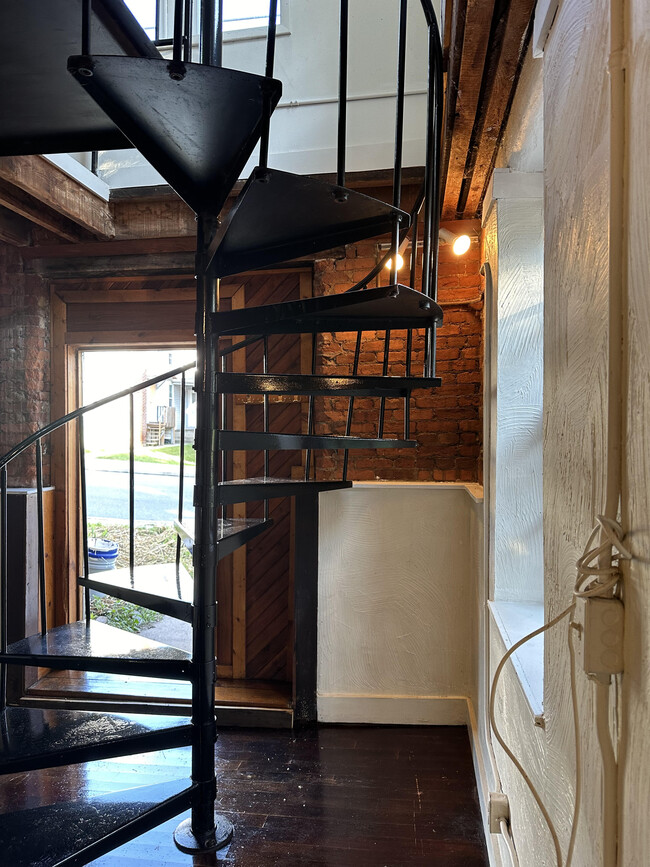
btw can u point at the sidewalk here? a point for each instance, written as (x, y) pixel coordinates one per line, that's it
(106, 465)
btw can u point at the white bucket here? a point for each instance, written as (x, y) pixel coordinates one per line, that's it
(102, 554)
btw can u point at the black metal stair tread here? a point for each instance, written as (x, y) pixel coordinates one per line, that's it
(280, 216)
(156, 587)
(233, 440)
(99, 647)
(232, 533)
(32, 738)
(77, 832)
(266, 488)
(382, 307)
(197, 132)
(360, 386)
(42, 109)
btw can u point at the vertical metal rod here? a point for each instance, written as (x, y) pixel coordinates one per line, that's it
(84, 512)
(218, 53)
(270, 64)
(85, 27)
(4, 537)
(399, 133)
(94, 161)
(382, 402)
(414, 252)
(432, 187)
(265, 369)
(348, 423)
(407, 399)
(205, 551)
(211, 24)
(41, 535)
(224, 424)
(131, 486)
(343, 91)
(187, 52)
(177, 49)
(310, 413)
(181, 477)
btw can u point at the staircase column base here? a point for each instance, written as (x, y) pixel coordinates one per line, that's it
(188, 842)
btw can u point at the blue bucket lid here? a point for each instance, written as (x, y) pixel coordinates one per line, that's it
(102, 548)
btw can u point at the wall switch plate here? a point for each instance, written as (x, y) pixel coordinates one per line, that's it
(602, 635)
(498, 809)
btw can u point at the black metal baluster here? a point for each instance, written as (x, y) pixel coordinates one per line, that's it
(348, 423)
(265, 369)
(41, 535)
(85, 27)
(223, 425)
(84, 512)
(310, 412)
(131, 488)
(187, 52)
(399, 134)
(414, 251)
(407, 398)
(270, 63)
(343, 91)
(177, 49)
(382, 401)
(211, 33)
(3, 584)
(181, 482)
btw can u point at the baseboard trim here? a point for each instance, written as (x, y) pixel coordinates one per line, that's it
(482, 784)
(392, 709)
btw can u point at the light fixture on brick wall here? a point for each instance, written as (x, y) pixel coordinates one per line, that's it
(460, 243)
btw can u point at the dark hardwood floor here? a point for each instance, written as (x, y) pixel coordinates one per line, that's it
(348, 796)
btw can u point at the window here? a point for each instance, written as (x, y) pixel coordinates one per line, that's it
(156, 16)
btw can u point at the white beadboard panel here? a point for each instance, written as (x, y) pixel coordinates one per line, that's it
(422, 710)
(397, 593)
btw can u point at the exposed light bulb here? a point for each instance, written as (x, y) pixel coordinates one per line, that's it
(400, 262)
(461, 244)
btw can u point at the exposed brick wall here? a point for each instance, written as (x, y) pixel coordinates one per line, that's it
(446, 422)
(24, 362)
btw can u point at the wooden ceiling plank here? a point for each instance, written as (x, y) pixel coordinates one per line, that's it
(455, 25)
(49, 185)
(14, 229)
(477, 27)
(21, 203)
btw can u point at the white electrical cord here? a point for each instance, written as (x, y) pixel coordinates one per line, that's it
(601, 581)
(504, 827)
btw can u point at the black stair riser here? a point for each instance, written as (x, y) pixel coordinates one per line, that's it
(233, 440)
(345, 386)
(172, 669)
(252, 490)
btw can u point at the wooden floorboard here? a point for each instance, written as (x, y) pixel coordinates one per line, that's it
(348, 796)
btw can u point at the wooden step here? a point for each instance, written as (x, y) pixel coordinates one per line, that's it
(247, 490)
(158, 588)
(280, 216)
(232, 533)
(344, 386)
(99, 647)
(197, 132)
(80, 831)
(374, 309)
(242, 440)
(35, 737)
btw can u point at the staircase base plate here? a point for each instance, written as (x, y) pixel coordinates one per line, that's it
(187, 841)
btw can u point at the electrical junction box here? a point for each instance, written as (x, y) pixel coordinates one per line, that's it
(602, 635)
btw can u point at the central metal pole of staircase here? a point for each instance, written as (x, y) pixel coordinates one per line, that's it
(205, 832)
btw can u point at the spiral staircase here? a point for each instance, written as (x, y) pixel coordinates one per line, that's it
(197, 124)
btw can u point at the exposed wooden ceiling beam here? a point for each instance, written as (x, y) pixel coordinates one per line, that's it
(48, 185)
(14, 230)
(21, 203)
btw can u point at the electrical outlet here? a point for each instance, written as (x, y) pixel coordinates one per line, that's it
(498, 808)
(602, 635)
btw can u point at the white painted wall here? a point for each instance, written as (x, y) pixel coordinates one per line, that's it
(576, 224)
(304, 126)
(397, 603)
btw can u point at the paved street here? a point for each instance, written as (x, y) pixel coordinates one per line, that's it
(156, 496)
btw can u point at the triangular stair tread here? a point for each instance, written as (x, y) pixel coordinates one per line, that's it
(43, 111)
(280, 216)
(374, 309)
(234, 440)
(232, 533)
(265, 488)
(78, 832)
(155, 587)
(100, 647)
(32, 738)
(197, 132)
(299, 384)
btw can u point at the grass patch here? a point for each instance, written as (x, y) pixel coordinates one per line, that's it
(154, 544)
(175, 451)
(167, 455)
